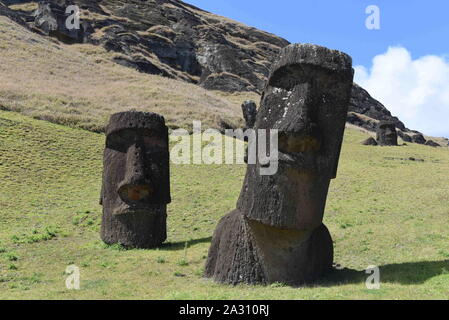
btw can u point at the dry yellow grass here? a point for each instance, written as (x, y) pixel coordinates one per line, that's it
(79, 86)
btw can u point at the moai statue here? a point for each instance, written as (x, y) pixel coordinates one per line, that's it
(249, 110)
(136, 180)
(386, 134)
(276, 232)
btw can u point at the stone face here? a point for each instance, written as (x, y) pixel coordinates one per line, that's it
(276, 232)
(51, 17)
(136, 180)
(249, 110)
(370, 142)
(386, 134)
(418, 138)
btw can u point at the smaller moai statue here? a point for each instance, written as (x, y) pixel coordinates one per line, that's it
(249, 110)
(386, 134)
(136, 180)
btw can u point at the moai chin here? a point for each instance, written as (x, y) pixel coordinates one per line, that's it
(386, 134)
(136, 180)
(276, 232)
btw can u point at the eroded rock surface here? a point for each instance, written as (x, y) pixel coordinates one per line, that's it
(276, 233)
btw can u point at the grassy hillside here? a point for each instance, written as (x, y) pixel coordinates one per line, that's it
(79, 86)
(381, 211)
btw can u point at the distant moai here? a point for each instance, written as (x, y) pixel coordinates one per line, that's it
(386, 134)
(249, 110)
(136, 180)
(276, 232)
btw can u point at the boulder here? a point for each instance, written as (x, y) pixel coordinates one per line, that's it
(418, 138)
(369, 142)
(432, 143)
(405, 137)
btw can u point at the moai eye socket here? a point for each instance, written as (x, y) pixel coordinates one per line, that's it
(121, 140)
(291, 143)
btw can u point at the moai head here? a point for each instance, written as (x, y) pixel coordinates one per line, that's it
(386, 134)
(306, 100)
(249, 110)
(136, 180)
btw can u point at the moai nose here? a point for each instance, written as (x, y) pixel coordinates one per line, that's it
(136, 186)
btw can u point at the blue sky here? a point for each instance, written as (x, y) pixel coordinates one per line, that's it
(413, 38)
(420, 26)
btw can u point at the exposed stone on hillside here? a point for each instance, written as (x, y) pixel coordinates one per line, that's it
(369, 142)
(177, 40)
(362, 103)
(432, 143)
(418, 138)
(405, 137)
(51, 18)
(11, 14)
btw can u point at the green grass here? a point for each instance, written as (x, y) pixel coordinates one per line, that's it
(390, 213)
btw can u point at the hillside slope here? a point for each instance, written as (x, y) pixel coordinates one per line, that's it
(78, 85)
(381, 210)
(176, 40)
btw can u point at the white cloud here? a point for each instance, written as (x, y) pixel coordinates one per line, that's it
(416, 91)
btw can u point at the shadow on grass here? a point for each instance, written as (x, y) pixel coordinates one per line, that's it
(404, 273)
(181, 244)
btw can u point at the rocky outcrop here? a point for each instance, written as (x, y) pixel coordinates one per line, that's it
(418, 138)
(59, 21)
(405, 137)
(432, 143)
(362, 103)
(177, 40)
(11, 14)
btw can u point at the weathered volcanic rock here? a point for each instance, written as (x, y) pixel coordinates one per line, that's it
(180, 41)
(405, 137)
(249, 110)
(370, 142)
(15, 16)
(418, 138)
(362, 103)
(51, 18)
(432, 143)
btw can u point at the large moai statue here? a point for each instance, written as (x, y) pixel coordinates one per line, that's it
(276, 232)
(386, 134)
(249, 110)
(136, 180)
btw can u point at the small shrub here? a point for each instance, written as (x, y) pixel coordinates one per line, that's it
(12, 256)
(160, 260)
(178, 274)
(182, 263)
